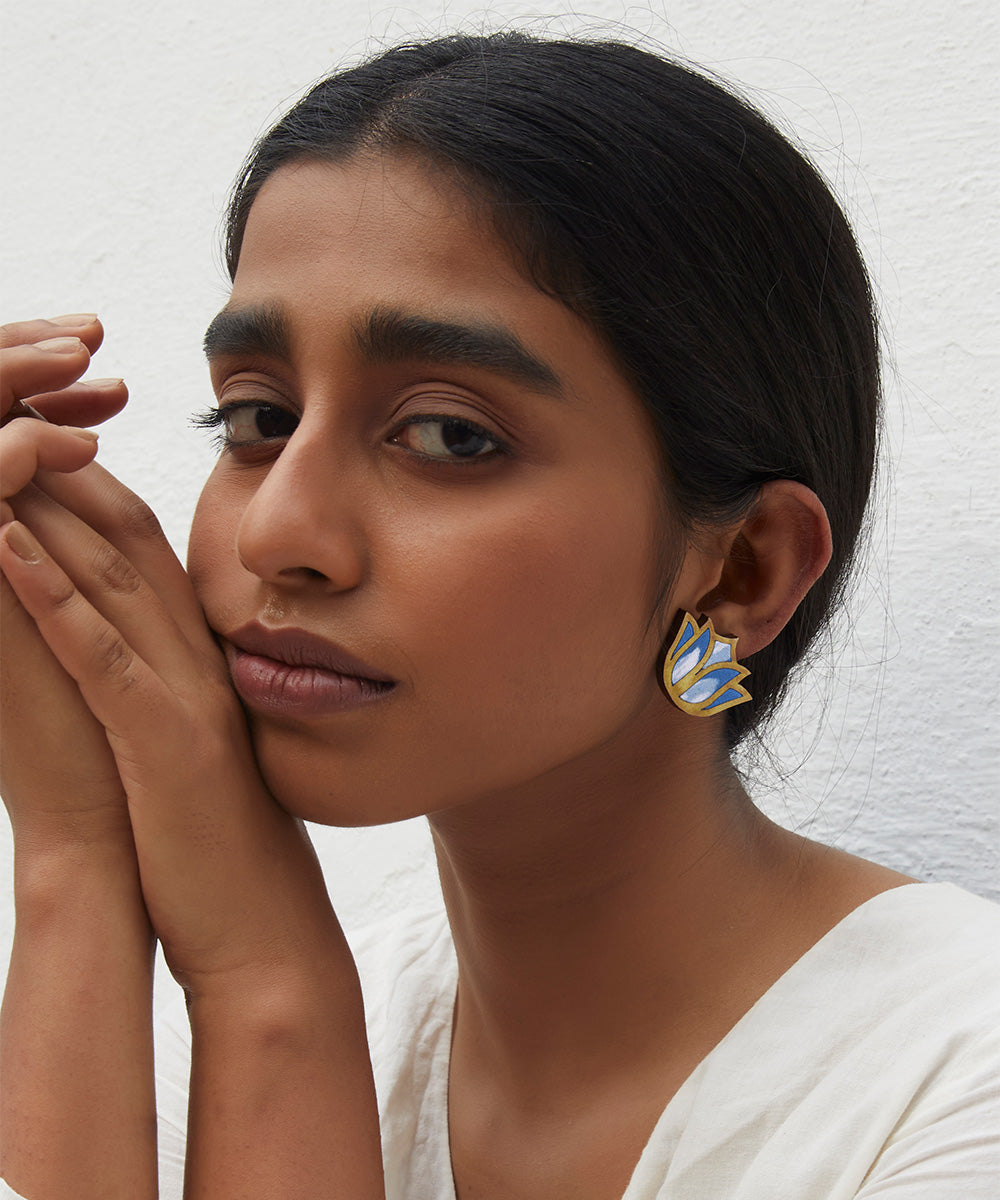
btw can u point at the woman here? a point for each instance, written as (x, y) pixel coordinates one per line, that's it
(548, 398)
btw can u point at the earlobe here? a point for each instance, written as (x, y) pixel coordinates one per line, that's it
(773, 559)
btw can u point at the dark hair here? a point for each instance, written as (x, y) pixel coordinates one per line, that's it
(706, 251)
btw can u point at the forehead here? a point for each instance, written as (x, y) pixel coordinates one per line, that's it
(378, 226)
(387, 231)
(394, 193)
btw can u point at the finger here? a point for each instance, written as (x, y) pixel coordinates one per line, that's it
(117, 685)
(85, 326)
(96, 507)
(166, 749)
(55, 753)
(29, 445)
(36, 367)
(89, 402)
(175, 727)
(117, 689)
(123, 598)
(86, 403)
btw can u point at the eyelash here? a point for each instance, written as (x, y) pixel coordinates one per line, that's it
(216, 418)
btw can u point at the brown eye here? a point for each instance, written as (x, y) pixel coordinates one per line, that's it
(447, 437)
(246, 423)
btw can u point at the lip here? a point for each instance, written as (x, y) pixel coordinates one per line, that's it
(294, 673)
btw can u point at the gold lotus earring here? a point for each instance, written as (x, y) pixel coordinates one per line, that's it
(700, 673)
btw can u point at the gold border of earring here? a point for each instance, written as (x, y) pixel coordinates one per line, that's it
(700, 672)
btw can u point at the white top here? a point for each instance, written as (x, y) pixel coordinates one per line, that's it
(869, 1071)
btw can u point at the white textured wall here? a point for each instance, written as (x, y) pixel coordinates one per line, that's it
(123, 124)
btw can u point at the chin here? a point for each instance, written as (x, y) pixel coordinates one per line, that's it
(327, 785)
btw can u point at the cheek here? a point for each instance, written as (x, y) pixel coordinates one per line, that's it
(523, 628)
(210, 556)
(536, 624)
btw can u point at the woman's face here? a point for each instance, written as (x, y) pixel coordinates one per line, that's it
(437, 480)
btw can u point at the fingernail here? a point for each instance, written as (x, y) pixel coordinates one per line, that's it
(65, 345)
(87, 435)
(22, 543)
(73, 319)
(101, 383)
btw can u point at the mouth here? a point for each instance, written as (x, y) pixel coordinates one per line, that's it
(294, 673)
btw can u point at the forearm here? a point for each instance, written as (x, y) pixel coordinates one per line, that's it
(77, 1104)
(282, 1099)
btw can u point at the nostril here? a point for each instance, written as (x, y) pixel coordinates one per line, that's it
(301, 573)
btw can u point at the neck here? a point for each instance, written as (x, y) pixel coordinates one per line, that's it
(604, 905)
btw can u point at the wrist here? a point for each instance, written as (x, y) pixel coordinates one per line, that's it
(281, 1085)
(78, 1102)
(291, 982)
(48, 832)
(63, 886)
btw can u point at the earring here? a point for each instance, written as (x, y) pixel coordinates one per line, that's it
(700, 673)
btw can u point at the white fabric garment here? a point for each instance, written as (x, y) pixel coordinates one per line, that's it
(869, 1071)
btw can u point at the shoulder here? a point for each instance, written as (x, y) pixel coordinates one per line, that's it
(934, 1040)
(871, 1068)
(900, 1004)
(936, 932)
(918, 961)
(944, 905)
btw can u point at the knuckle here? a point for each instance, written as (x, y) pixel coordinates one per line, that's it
(112, 658)
(61, 594)
(11, 334)
(18, 434)
(137, 520)
(115, 572)
(21, 443)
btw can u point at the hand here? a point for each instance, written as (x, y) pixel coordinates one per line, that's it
(42, 362)
(77, 1106)
(229, 878)
(58, 775)
(282, 1097)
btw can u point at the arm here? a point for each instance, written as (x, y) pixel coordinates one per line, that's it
(282, 1098)
(76, 1044)
(77, 1110)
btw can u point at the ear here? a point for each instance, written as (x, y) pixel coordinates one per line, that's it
(773, 559)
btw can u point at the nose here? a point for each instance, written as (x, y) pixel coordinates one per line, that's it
(304, 524)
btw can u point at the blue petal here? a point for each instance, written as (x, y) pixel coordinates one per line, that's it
(691, 656)
(709, 683)
(721, 652)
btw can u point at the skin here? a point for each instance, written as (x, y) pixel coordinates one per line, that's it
(281, 1097)
(617, 902)
(514, 600)
(481, 587)
(81, 921)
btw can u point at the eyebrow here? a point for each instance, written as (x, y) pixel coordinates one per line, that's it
(389, 335)
(258, 329)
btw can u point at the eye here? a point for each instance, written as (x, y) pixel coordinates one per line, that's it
(248, 422)
(447, 438)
